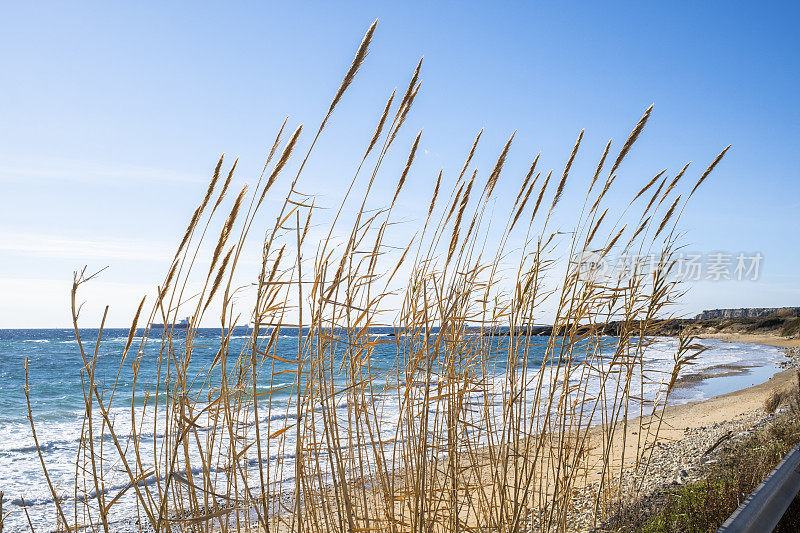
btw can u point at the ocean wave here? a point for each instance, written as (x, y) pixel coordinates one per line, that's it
(273, 418)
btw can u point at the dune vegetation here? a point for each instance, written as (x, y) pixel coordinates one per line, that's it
(478, 437)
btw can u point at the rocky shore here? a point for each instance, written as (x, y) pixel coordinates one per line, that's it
(793, 357)
(673, 463)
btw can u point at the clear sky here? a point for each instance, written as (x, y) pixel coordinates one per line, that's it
(113, 116)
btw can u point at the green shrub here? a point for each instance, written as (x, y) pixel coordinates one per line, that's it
(768, 322)
(791, 327)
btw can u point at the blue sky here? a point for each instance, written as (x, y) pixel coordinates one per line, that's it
(113, 117)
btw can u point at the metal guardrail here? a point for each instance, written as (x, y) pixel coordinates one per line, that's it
(765, 506)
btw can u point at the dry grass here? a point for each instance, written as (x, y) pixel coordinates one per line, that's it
(773, 401)
(481, 439)
(788, 397)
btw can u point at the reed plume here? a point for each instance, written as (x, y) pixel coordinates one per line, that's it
(631, 139)
(563, 182)
(409, 161)
(709, 169)
(358, 60)
(498, 167)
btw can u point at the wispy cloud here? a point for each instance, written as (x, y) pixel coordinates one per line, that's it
(63, 247)
(94, 172)
(36, 303)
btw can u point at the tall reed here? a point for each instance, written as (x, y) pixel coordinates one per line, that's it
(463, 431)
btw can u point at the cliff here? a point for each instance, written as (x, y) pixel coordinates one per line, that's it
(747, 312)
(780, 321)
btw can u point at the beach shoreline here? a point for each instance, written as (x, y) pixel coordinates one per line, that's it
(754, 338)
(737, 406)
(692, 434)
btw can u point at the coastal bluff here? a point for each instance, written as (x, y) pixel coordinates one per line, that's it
(776, 321)
(747, 312)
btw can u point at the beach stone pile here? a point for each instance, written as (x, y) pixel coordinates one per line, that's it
(792, 358)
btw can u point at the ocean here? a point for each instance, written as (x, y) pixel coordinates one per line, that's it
(57, 402)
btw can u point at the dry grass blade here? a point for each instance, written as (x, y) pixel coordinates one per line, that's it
(228, 226)
(710, 169)
(282, 160)
(524, 201)
(376, 135)
(498, 167)
(596, 227)
(413, 86)
(213, 183)
(563, 181)
(599, 168)
(218, 279)
(456, 202)
(541, 194)
(649, 184)
(606, 187)
(226, 184)
(615, 239)
(525, 187)
(673, 183)
(639, 230)
(670, 211)
(358, 60)
(409, 161)
(60, 513)
(631, 139)
(435, 193)
(469, 156)
(132, 331)
(403, 112)
(462, 206)
(655, 195)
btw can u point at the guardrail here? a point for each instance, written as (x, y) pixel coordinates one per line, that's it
(765, 506)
